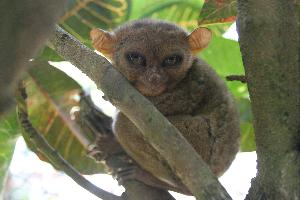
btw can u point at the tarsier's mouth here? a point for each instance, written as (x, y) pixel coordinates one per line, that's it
(152, 90)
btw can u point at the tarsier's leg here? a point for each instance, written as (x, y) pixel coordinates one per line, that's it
(154, 170)
(213, 141)
(214, 138)
(195, 129)
(93, 120)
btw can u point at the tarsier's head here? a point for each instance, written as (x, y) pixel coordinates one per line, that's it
(153, 55)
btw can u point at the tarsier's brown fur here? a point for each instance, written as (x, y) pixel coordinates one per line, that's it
(190, 94)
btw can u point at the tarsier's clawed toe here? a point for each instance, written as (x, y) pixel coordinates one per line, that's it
(129, 173)
(96, 153)
(134, 172)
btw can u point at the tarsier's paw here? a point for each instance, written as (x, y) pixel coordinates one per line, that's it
(94, 123)
(134, 172)
(131, 172)
(93, 118)
(96, 153)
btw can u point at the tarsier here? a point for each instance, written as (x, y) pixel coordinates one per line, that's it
(158, 58)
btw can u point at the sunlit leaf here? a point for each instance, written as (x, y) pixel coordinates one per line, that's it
(51, 97)
(184, 13)
(9, 131)
(83, 15)
(218, 11)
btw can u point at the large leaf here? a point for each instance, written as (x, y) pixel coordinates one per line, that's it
(184, 13)
(83, 15)
(9, 131)
(224, 56)
(218, 11)
(51, 96)
(218, 15)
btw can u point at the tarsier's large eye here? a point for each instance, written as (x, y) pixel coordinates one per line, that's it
(172, 60)
(136, 58)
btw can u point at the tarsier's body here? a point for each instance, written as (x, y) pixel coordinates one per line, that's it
(157, 58)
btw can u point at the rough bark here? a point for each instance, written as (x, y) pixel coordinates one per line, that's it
(269, 40)
(160, 133)
(25, 25)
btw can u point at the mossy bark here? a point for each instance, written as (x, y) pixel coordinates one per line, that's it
(269, 40)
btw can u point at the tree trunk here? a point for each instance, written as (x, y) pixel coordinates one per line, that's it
(269, 39)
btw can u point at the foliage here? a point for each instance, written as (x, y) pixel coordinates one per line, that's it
(218, 15)
(82, 16)
(185, 13)
(52, 94)
(9, 131)
(218, 11)
(51, 97)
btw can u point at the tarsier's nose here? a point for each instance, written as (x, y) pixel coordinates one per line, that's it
(155, 75)
(155, 78)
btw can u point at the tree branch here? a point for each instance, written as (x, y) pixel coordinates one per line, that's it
(240, 78)
(55, 158)
(269, 40)
(160, 133)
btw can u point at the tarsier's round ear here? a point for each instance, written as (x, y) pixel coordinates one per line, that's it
(199, 39)
(103, 41)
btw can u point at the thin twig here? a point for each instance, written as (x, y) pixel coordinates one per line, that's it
(40, 143)
(241, 78)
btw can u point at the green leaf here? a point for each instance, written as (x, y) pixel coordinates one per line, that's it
(218, 29)
(184, 13)
(245, 110)
(82, 16)
(9, 131)
(218, 11)
(48, 54)
(248, 138)
(246, 121)
(51, 97)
